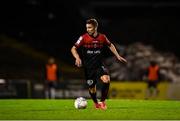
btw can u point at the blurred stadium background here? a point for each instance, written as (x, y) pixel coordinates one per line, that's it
(34, 30)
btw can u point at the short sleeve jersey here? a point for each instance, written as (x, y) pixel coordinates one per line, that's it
(92, 49)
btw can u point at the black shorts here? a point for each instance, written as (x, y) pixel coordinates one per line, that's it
(51, 84)
(152, 84)
(92, 75)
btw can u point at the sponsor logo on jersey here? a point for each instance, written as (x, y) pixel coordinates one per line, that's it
(97, 52)
(93, 52)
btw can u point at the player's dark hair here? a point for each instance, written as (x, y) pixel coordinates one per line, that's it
(153, 63)
(93, 22)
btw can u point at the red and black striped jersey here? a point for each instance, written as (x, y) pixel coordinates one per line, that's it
(92, 49)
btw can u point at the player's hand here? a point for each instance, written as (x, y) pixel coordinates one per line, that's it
(78, 62)
(122, 59)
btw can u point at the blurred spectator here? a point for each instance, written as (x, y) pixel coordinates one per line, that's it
(138, 56)
(51, 78)
(153, 77)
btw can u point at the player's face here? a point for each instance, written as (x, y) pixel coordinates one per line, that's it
(51, 60)
(90, 29)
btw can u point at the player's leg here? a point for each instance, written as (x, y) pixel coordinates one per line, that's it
(105, 79)
(92, 92)
(53, 92)
(52, 89)
(105, 87)
(104, 91)
(91, 81)
(46, 93)
(149, 90)
(47, 90)
(155, 90)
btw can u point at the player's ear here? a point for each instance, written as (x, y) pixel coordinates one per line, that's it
(95, 28)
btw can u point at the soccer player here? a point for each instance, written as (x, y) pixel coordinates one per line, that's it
(92, 44)
(51, 78)
(153, 74)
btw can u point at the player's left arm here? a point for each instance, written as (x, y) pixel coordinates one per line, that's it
(114, 51)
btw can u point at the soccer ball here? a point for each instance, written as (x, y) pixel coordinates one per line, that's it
(80, 103)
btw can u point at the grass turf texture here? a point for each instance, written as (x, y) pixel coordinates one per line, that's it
(64, 109)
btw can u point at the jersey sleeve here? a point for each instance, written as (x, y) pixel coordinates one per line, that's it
(106, 41)
(79, 42)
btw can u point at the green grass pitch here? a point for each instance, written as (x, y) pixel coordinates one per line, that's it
(36, 109)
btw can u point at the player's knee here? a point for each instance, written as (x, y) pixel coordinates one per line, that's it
(105, 78)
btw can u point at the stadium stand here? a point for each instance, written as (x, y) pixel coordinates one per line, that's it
(138, 56)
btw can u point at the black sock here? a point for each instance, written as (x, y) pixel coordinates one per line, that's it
(104, 91)
(93, 96)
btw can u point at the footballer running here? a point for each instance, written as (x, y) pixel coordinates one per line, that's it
(92, 46)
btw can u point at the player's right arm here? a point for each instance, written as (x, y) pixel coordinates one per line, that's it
(75, 54)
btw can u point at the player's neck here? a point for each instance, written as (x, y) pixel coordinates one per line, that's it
(95, 34)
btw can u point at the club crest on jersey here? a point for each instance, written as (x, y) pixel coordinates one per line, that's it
(90, 82)
(95, 45)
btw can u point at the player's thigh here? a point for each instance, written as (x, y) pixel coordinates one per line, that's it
(90, 75)
(104, 74)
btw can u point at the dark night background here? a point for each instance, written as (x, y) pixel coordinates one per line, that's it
(33, 30)
(54, 25)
